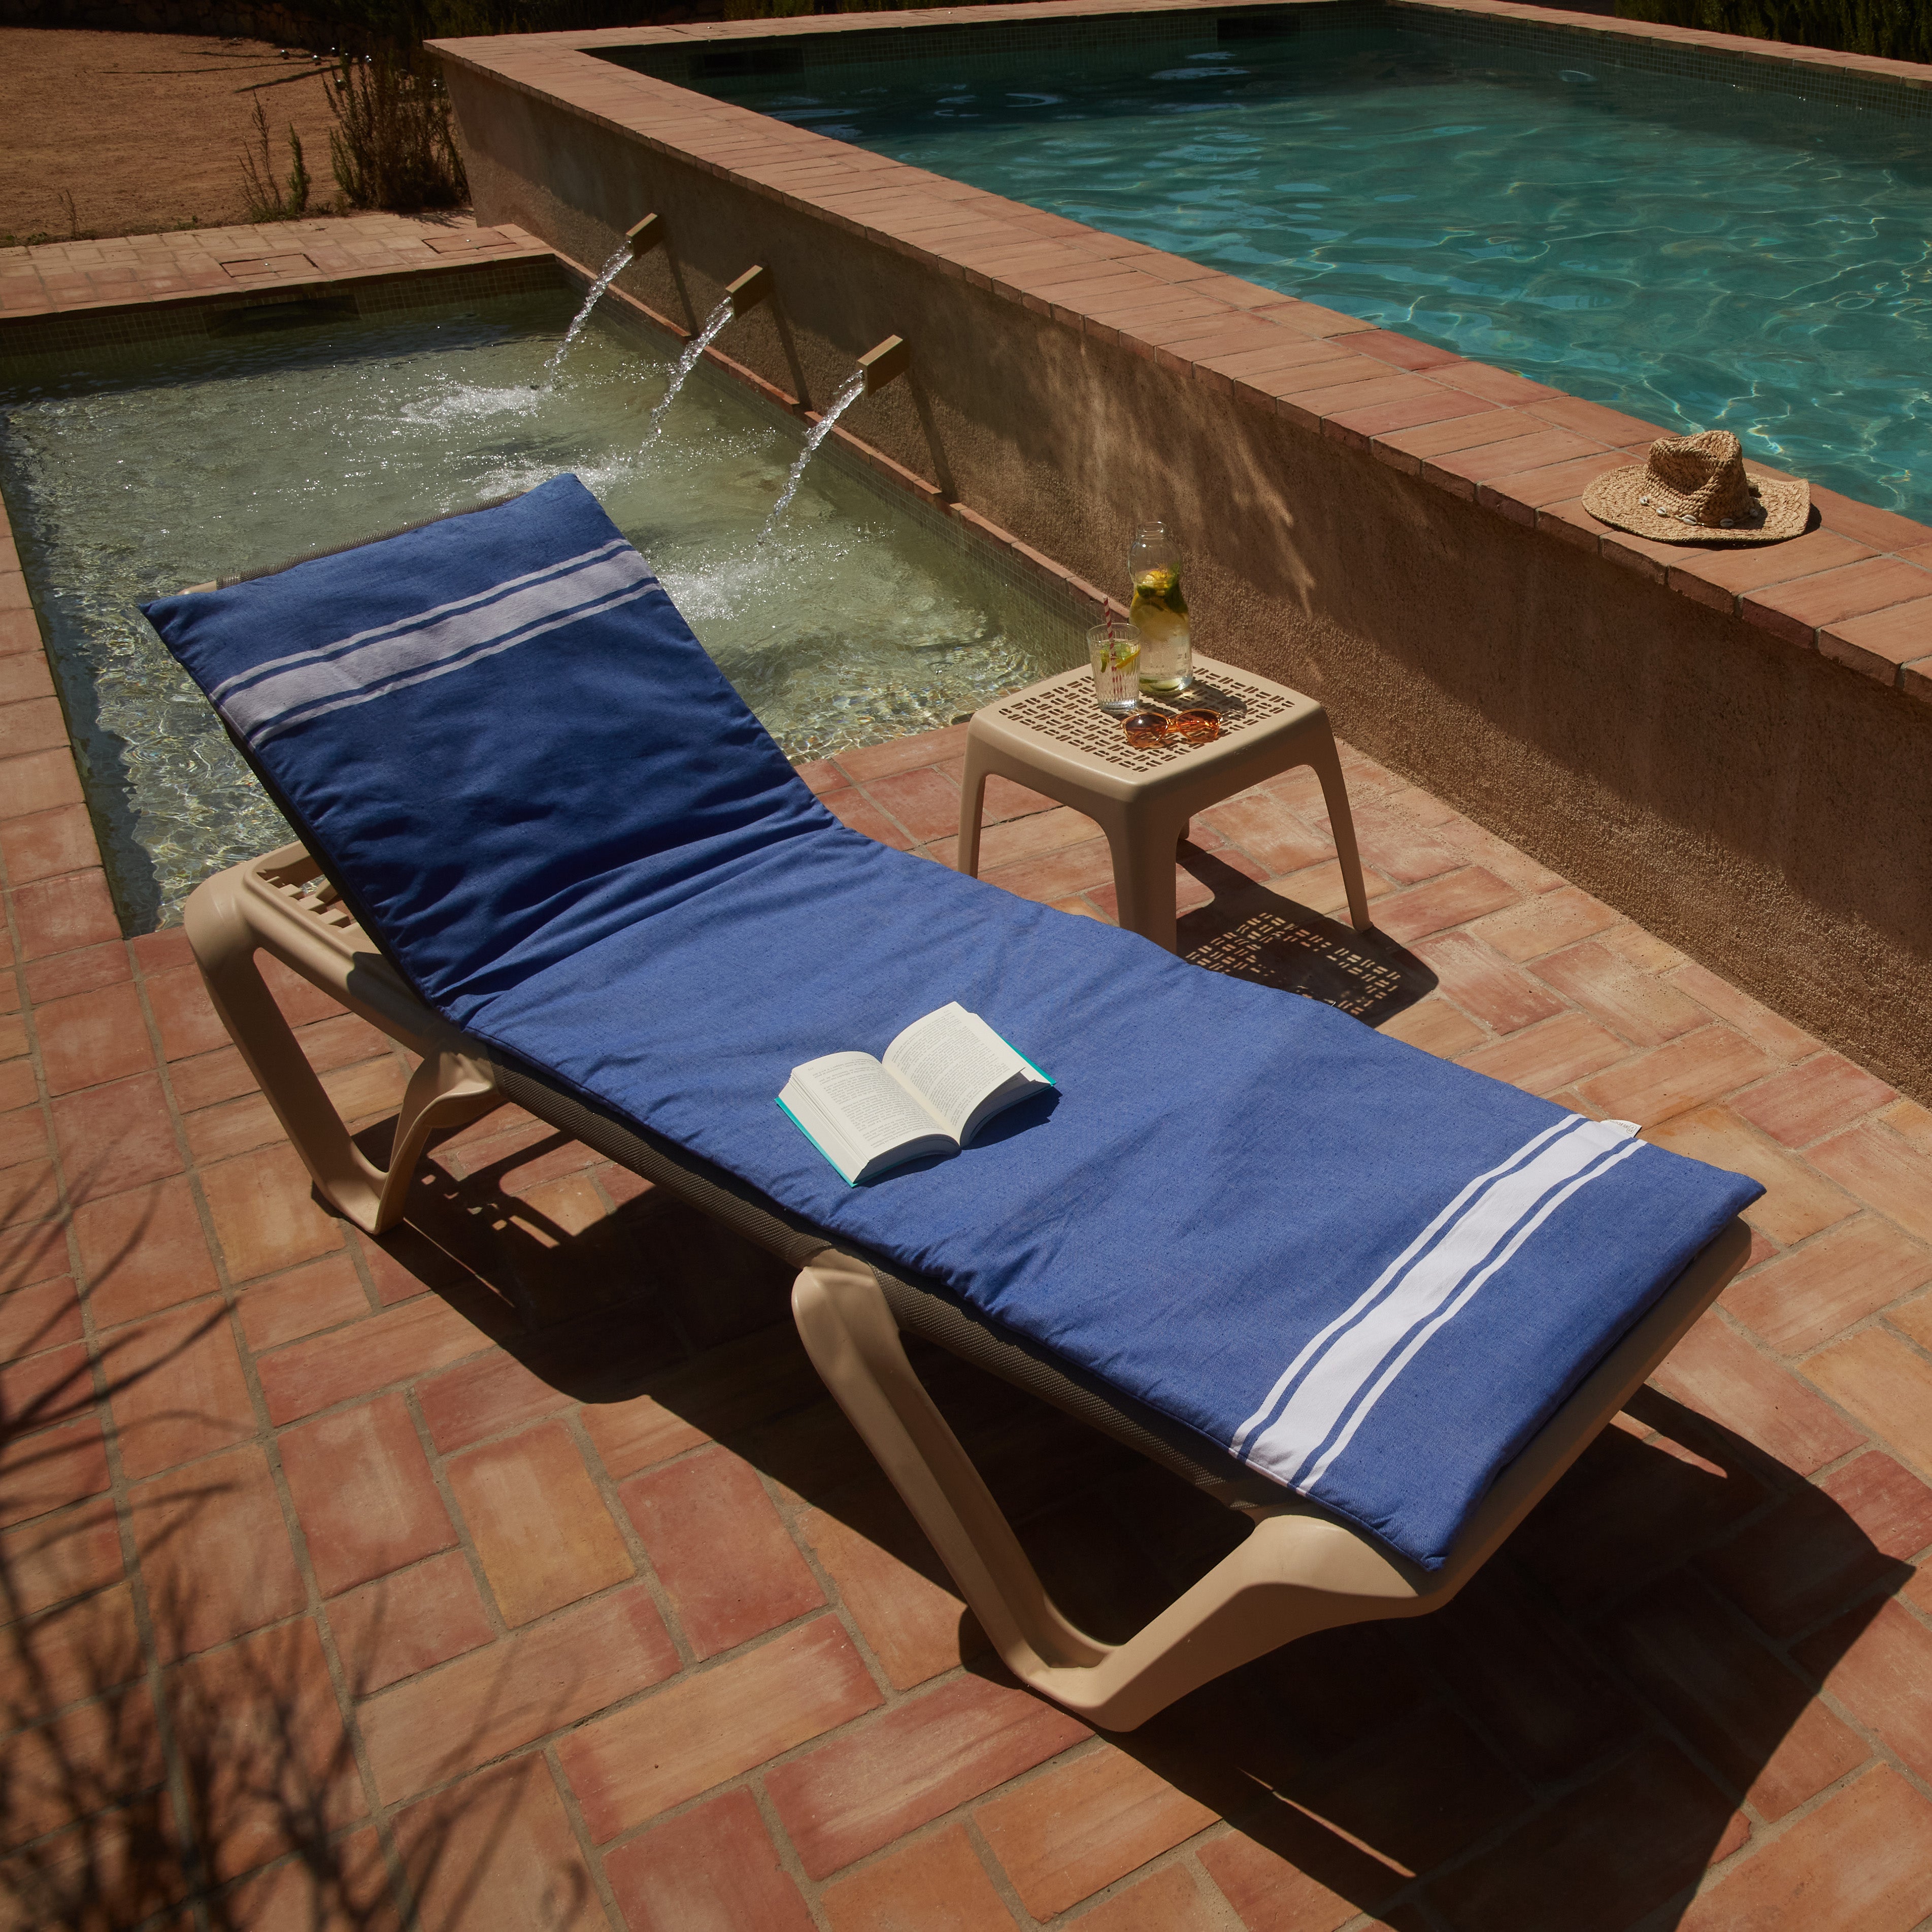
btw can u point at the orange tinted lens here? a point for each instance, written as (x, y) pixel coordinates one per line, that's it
(1144, 728)
(1198, 728)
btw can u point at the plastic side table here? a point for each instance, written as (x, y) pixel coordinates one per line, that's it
(1053, 738)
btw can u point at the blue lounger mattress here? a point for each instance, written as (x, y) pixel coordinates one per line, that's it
(1369, 1275)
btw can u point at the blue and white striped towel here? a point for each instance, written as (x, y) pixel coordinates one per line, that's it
(1371, 1275)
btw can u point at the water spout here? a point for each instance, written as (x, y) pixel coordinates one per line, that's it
(612, 268)
(885, 363)
(749, 290)
(855, 387)
(687, 361)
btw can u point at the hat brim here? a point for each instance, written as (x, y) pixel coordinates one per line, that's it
(1613, 497)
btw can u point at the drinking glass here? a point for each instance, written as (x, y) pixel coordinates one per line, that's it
(1115, 650)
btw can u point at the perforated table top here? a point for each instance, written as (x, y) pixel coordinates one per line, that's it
(1062, 710)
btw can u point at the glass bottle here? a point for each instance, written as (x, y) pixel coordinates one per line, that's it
(1159, 611)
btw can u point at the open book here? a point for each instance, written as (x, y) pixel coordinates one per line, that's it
(940, 1081)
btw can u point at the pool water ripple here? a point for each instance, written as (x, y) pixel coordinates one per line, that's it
(1700, 256)
(852, 624)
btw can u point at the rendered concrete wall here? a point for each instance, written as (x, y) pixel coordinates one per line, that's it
(1766, 809)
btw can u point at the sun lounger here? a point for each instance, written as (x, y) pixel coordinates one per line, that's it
(1374, 1302)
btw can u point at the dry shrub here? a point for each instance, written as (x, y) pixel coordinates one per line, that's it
(1893, 29)
(393, 145)
(267, 202)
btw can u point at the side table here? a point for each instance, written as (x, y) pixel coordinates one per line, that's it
(1054, 738)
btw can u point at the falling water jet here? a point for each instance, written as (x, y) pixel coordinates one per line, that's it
(612, 269)
(855, 387)
(877, 368)
(687, 361)
(747, 291)
(644, 235)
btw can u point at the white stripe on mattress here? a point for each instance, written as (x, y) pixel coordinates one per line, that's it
(1360, 1412)
(271, 698)
(269, 666)
(1318, 1404)
(1379, 1285)
(483, 650)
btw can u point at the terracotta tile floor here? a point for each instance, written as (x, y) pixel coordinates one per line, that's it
(518, 1563)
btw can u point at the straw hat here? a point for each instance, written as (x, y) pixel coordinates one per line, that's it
(1693, 489)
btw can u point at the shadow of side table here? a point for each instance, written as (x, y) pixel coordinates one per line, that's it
(1054, 738)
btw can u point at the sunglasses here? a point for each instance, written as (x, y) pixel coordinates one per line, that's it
(1186, 727)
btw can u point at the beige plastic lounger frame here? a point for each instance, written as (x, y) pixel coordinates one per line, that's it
(1299, 1569)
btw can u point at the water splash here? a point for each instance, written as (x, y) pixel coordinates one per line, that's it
(855, 387)
(687, 361)
(612, 268)
(462, 403)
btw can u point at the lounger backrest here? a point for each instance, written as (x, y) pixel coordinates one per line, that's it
(498, 732)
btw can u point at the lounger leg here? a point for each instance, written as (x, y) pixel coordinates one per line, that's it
(445, 1091)
(1296, 1572)
(1341, 822)
(972, 808)
(854, 1344)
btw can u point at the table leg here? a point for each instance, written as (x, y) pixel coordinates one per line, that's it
(1143, 853)
(972, 806)
(1342, 824)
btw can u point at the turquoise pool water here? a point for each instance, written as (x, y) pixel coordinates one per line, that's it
(855, 622)
(1701, 256)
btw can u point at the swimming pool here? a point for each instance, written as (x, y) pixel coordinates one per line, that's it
(855, 623)
(1703, 257)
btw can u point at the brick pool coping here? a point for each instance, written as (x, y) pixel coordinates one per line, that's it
(187, 266)
(1857, 590)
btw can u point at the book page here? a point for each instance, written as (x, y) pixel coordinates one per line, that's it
(953, 1060)
(874, 1110)
(821, 1128)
